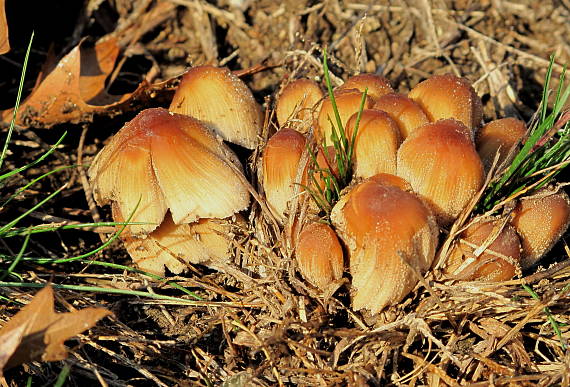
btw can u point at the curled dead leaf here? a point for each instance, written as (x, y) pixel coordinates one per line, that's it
(42, 332)
(4, 42)
(75, 89)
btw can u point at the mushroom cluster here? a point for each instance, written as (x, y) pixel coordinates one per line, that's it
(416, 162)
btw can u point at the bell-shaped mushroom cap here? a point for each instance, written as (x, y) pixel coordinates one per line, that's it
(174, 246)
(297, 100)
(222, 101)
(540, 221)
(377, 85)
(499, 136)
(348, 102)
(448, 96)
(407, 113)
(281, 158)
(319, 255)
(388, 231)
(161, 160)
(441, 164)
(486, 251)
(377, 141)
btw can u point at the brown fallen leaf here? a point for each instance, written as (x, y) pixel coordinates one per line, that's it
(44, 331)
(4, 42)
(74, 90)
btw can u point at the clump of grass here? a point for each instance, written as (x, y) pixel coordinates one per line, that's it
(544, 154)
(326, 197)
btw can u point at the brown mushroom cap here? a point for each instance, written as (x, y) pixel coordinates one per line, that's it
(499, 136)
(222, 101)
(280, 161)
(348, 102)
(448, 96)
(486, 252)
(319, 255)
(540, 221)
(407, 113)
(168, 161)
(387, 230)
(377, 85)
(297, 100)
(441, 164)
(376, 143)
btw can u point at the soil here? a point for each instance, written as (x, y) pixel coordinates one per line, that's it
(271, 328)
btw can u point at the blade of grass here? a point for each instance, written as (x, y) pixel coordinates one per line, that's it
(17, 259)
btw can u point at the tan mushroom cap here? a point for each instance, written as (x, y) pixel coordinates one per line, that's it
(376, 143)
(377, 85)
(222, 101)
(168, 161)
(407, 113)
(440, 162)
(387, 230)
(540, 221)
(297, 100)
(486, 251)
(348, 102)
(319, 255)
(499, 136)
(448, 96)
(280, 163)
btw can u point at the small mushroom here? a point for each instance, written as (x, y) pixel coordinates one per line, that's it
(222, 101)
(391, 238)
(407, 113)
(448, 96)
(488, 251)
(377, 85)
(440, 162)
(499, 136)
(540, 221)
(319, 255)
(297, 101)
(376, 143)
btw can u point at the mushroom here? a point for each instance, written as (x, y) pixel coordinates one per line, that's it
(376, 143)
(280, 163)
(407, 113)
(499, 136)
(440, 162)
(348, 102)
(488, 250)
(448, 96)
(377, 85)
(163, 161)
(297, 101)
(540, 220)
(391, 238)
(222, 101)
(319, 255)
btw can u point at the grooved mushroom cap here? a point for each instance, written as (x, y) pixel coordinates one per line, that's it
(222, 101)
(377, 141)
(540, 221)
(319, 255)
(297, 100)
(376, 84)
(175, 245)
(441, 164)
(168, 161)
(280, 161)
(486, 252)
(499, 136)
(348, 102)
(384, 227)
(448, 96)
(407, 113)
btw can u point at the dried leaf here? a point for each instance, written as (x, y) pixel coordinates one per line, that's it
(9, 342)
(74, 91)
(45, 331)
(4, 42)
